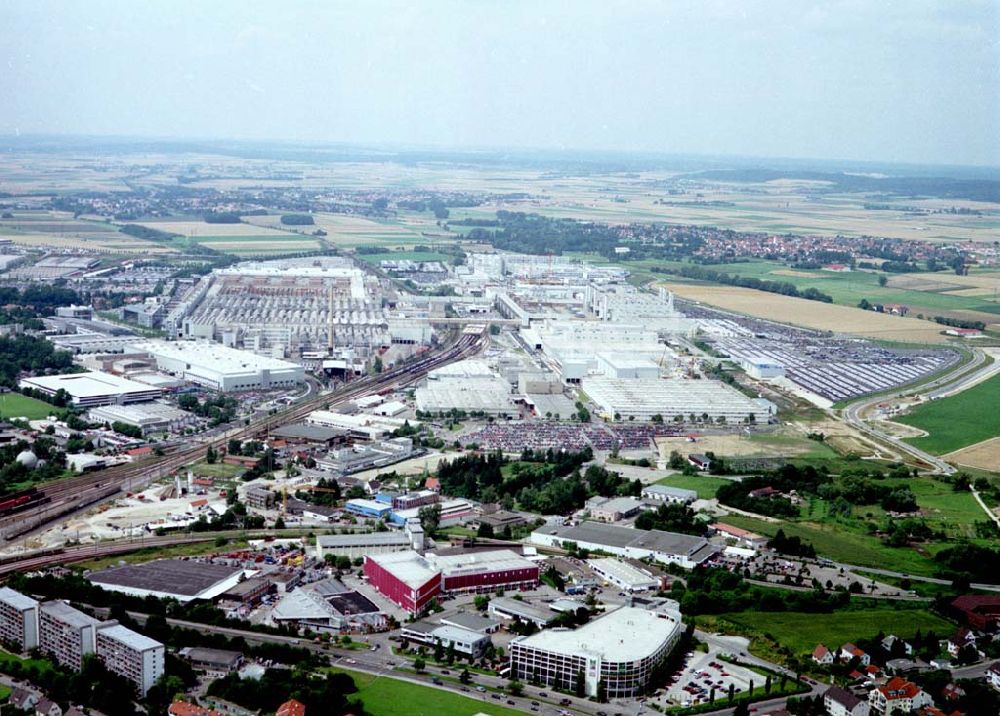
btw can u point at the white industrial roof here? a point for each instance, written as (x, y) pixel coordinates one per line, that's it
(131, 639)
(469, 368)
(621, 572)
(673, 491)
(474, 562)
(408, 567)
(214, 358)
(626, 634)
(88, 385)
(302, 604)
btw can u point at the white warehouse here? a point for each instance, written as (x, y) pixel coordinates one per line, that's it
(644, 398)
(220, 368)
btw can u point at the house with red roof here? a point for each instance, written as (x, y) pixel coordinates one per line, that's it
(291, 708)
(898, 696)
(822, 655)
(981, 612)
(848, 651)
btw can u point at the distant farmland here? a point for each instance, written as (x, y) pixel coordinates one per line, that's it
(811, 314)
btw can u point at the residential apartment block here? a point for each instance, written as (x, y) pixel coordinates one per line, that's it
(18, 619)
(130, 654)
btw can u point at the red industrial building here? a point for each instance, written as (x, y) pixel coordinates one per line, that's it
(411, 581)
(981, 612)
(485, 572)
(405, 578)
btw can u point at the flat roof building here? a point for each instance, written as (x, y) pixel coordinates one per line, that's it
(360, 544)
(614, 509)
(221, 368)
(624, 575)
(66, 634)
(466, 642)
(93, 388)
(508, 609)
(214, 661)
(686, 550)
(663, 493)
(619, 399)
(405, 578)
(183, 580)
(18, 619)
(152, 417)
(617, 652)
(132, 655)
(485, 572)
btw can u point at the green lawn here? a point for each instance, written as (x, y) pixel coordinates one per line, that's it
(384, 696)
(705, 485)
(839, 542)
(801, 632)
(959, 420)
(6, 658)
(15, 405)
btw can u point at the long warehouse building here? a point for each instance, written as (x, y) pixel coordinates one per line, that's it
(221, 368)
(642, 398)
(668, 547)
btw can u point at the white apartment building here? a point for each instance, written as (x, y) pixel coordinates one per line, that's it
(132, 655)
(65, 633)
(18, 619)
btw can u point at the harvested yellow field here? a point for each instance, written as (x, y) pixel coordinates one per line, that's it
(984, 455)
(973, 292)
(200, 228)
(109, 245)
(799, 274)
(812, 314)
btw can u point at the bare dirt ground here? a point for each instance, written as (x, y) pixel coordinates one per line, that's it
(812, 314)
(984, 455)
(900, 430)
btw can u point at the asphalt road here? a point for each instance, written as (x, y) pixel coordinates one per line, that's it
(958, 379)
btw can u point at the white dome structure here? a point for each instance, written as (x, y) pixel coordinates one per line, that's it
(28, 459)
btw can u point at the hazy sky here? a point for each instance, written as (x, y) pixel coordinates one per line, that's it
(911, 80)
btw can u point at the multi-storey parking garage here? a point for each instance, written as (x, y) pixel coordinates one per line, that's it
(616, 654)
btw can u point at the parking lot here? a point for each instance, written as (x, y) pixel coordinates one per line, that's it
(703, 672)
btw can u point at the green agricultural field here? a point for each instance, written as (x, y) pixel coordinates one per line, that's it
(801, 632)
(15, 405)
(959, 420)
(384, 696)
(705, 485)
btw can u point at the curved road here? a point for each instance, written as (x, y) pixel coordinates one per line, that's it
(963, 376)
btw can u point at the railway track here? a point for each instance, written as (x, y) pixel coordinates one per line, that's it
(67, 496)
